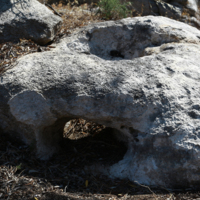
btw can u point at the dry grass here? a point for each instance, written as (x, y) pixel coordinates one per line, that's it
(76, 16)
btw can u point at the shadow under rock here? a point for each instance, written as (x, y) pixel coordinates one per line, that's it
(65, 176)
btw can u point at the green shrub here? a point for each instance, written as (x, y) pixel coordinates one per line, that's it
(114, 9)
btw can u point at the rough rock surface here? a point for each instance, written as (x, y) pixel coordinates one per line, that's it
(139, 76)
(182, 10)
(27, 19)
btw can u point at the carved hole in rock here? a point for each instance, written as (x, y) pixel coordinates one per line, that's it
(92, 144)
(123, 42)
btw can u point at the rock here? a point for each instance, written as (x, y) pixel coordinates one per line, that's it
(139, 76)
(182, 10)
(27, 19)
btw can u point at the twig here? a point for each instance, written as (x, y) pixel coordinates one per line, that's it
(65, 190)
(46, 4)
(147, 188)
(68, 132)
(171, 195)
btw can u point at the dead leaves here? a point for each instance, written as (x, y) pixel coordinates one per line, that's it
(9, 52)
(75, 16)
(79, 128)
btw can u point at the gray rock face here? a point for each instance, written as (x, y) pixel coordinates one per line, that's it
(182, 10)
(27, 19)
(139, 76)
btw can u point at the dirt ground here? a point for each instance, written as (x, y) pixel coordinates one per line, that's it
(68, 174)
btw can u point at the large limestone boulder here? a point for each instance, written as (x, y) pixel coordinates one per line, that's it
(27, 19)
(182, 10)
(139, 76)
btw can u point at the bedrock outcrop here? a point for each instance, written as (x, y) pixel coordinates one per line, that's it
(139, 76)
(27, 19)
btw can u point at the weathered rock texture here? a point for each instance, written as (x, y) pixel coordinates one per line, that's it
(182, 10)
(27, 19)
(140, 76)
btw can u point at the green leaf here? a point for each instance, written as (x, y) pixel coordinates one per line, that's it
(19, 167)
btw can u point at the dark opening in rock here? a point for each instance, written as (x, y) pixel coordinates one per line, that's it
(92, 144)
(115, 53)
